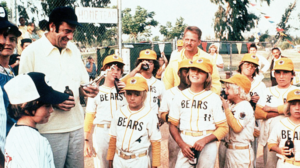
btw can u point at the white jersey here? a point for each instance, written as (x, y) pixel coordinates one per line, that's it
(257, 88)
(2, 122)
(244, 113)
(273, 97)
(156, 91)
(105, 104)
(168, 98)
(27, 148)
(134, 130)
(197, 111)
(282, 131)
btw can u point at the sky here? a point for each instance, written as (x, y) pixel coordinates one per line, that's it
(201, 13)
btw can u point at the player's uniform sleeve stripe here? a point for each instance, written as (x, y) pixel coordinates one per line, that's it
(173, 121)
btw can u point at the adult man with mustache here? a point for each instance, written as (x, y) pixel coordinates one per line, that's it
(191, 40)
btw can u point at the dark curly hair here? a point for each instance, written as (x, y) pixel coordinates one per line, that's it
(155, 69)
(27, 109)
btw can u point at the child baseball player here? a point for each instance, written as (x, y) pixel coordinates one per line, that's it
(241, 120)
(148, 58)
(31, 100)
(100, 111)
(197, 112)
(167, 103)
(287, 129)
(133, 128)
(269, 107)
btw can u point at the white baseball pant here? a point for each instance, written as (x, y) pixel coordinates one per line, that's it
(239, 158)
(100, 144)
(206, 158)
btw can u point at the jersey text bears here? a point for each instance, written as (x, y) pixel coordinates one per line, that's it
(131, 124)
(113, 96)
(285, 134)
(194, 104)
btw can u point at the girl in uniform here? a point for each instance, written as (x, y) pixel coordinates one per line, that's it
(240, 118)
(197, 112)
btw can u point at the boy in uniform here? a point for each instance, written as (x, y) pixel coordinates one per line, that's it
(270, 106)
(167, 103)
(133, 128)
(100, 111)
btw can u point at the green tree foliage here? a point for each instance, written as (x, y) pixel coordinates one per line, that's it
(156, 38)
(229, 23)
(4, 5)
(170, 32)
(283, 23)
(139, 24)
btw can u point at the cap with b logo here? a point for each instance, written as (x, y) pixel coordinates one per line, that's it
(251, 58)
(112, 58)
(148, 55)
(293, 95)
(136, 83)
(202, 63)
(284, 64)
(185, 64)
(179, 43)
(240, 80)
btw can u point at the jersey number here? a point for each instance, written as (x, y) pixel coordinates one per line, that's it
(205, 117)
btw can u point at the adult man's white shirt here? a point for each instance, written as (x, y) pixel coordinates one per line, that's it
(63, 69)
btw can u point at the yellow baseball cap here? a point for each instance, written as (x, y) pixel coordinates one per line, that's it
(285, 64)
(148, 54)
(112, 58)
(179, 43)
(293, 95)
(184, 64)
(251, 58)
(202, 63)
(240, 80)
(136, 83)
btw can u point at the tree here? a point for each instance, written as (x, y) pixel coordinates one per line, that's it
(283, 23)
(4, 5)
(171, 32)
(229, 23)
(156, 38)
(96, 34)
(139, 24)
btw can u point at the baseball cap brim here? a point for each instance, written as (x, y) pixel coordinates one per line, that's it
(199, 67)
(135, 88)
(72, 22)
(53, 97)
(5, 24)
